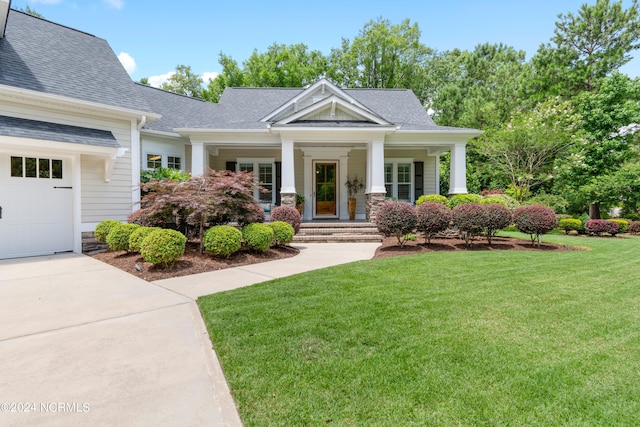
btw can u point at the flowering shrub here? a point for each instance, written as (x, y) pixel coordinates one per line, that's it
(634, 227)
(432, 218)
(433, 198)
(568, 224)
(396, 219)
(257, 236)
(600, 226)
(623, 224)
(102, 229)
(137, 237)
(470, 219)
(282, 232)
(497, 216)
(287, 214)
(535, 220)
(163, 247)
(222, 240)
(463, 199)
(118, 237)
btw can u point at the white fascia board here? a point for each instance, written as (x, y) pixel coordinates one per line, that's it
(457, 133)
(15, 144)
(33, 97)
(160, 133)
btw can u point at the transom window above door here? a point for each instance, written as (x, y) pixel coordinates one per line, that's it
(34, 167)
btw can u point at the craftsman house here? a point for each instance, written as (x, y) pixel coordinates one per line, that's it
(75, 132)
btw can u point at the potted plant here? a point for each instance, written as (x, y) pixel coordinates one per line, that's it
(353, 187)
(299, 202)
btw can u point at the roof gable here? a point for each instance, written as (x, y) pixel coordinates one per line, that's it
(316, 99)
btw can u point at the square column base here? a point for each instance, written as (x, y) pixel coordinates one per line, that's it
(374, 201)
(288, 199)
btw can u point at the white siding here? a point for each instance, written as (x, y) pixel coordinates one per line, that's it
(164, 146)
(358, 167)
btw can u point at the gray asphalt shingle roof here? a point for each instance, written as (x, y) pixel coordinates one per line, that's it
(23, 128)
(43, 56)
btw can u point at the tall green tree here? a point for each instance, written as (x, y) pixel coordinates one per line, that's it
(586, 48)
(31, 12)
(284, 66)
(184, 82)
(382, 55)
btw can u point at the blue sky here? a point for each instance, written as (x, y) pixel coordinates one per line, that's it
(151, 37)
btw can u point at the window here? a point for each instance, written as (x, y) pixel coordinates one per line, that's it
(32, 167)
(174, 162)
(154, 161)
(264, 171)
(398, 179)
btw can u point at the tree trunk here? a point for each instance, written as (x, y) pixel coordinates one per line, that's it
(594, 211)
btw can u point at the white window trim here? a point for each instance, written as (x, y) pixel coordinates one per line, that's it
(394, 183)
(256, 161)
(177, 156)
(145, 164)
(164, 159)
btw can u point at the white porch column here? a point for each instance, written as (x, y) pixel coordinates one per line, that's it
(375, 167)
(288, 170)
(197, 159)
(458, 170)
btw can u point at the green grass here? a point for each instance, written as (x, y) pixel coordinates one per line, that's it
(462, 338)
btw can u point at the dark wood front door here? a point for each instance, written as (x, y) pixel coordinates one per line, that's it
(325, 189)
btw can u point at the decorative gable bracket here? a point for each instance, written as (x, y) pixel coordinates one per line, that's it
(110, 163)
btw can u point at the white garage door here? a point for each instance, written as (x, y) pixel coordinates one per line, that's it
(36, 199)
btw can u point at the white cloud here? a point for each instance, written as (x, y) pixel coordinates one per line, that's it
(116, 4)
(127, 62)
(209, 75)
(156, 81)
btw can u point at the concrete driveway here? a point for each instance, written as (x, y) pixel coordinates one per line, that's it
(83, 343)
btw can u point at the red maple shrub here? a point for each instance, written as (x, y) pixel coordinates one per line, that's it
(396, 219)
(598, 227)
(535, 220)
(634, 227)
(287, 214)
(432, 218)
(497, 216)
(470, 220)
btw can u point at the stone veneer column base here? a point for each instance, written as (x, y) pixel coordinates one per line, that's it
(374, 200)
(288, 199)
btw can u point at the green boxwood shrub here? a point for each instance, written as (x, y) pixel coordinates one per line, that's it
(432, 218)
(623, 224)
(535, 220)
(558, 203)
(287, 214)
(432, 198)
(501, 199)
(222, 240)
(257, 236)
(283, 232)
(464, 199)
(118, 237)
(137, 237)
(163, 247)
(396, 219)
(569, 224)
(103, 228)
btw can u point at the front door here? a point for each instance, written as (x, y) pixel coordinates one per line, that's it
(325, 189)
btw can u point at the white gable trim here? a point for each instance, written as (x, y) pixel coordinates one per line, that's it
(324, 86)
(332, 101)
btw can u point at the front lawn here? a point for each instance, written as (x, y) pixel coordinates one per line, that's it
(459, 338)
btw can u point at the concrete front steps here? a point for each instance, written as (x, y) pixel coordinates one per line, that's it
(336, 231)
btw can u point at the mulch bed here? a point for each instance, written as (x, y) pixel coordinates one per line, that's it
(192, 262)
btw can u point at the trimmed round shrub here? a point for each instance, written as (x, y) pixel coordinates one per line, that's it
(257, 236)
(464, 199)
(283, 232)
(558, 203)
(163, 247)
(432, 218)
(118, 237)
(599, 226)
(396, 219)
(569, 224)
(102, 229)
(432, 198)
(497, 217)
(287, 214)
(137, 237)
(491, 200)
(623, 224)
(535, 220)
(470, 220)
(501, 199)
(222, 240)
(634, 227)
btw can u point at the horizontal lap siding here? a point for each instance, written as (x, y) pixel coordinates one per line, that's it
(418, 155)
(358, 167)
(100, 200)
